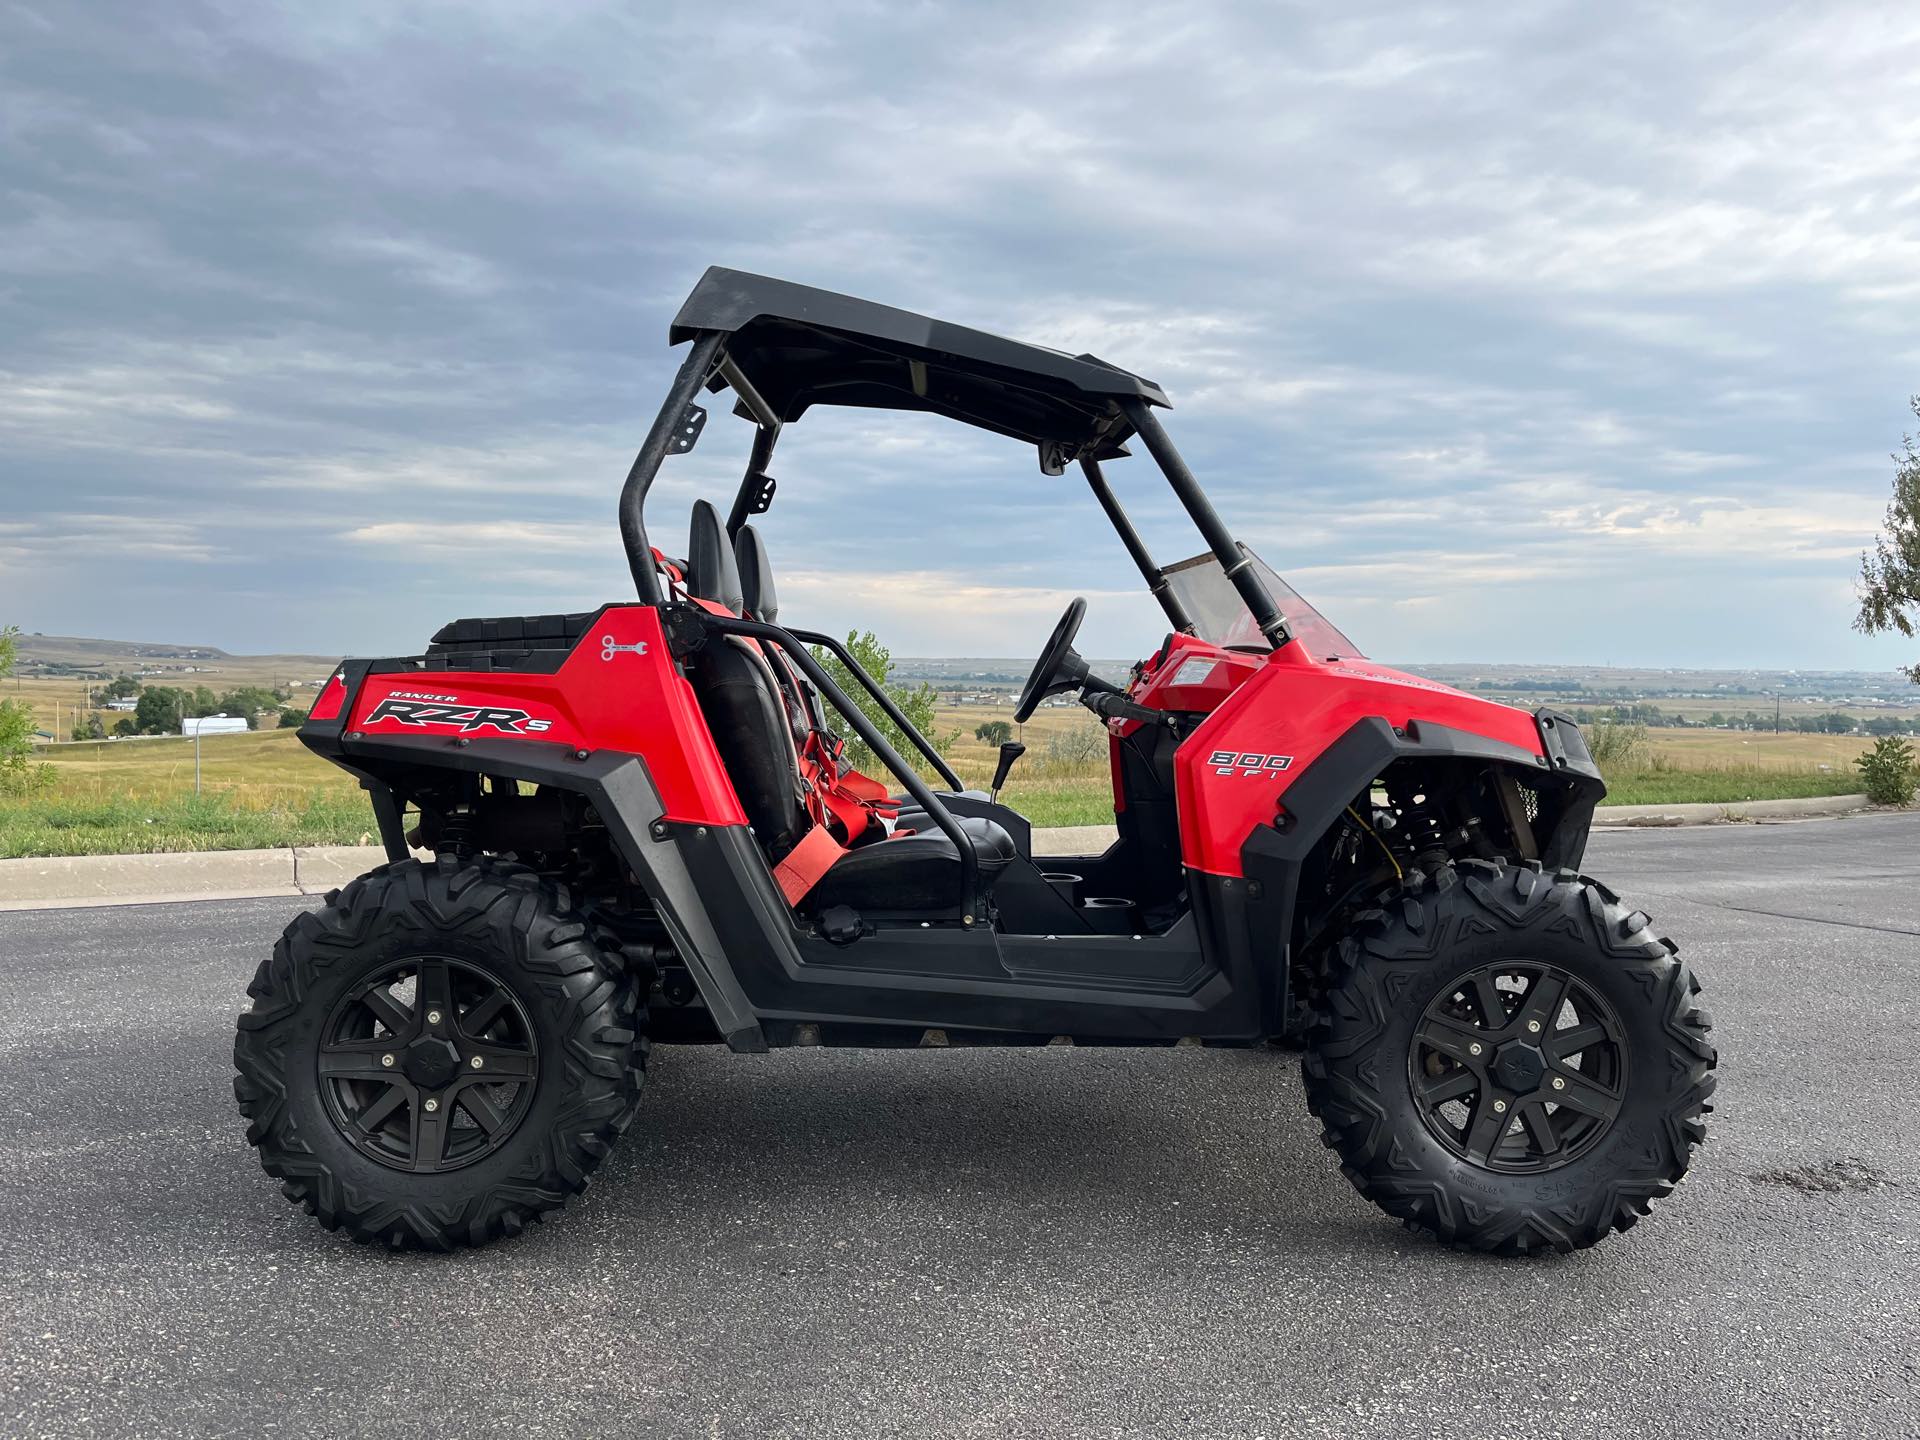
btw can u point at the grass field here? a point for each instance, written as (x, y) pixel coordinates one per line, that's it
(1678, 767)
(265, 789)
(122, 797)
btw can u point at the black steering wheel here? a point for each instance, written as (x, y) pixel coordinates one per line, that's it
(1058, 668)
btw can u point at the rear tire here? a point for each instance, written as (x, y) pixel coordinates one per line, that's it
(441, 1054)
(1558, 1140)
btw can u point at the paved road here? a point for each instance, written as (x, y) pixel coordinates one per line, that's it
(1024, 1243)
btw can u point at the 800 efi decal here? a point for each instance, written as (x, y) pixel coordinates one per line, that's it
(1243, 763)
(411, 707)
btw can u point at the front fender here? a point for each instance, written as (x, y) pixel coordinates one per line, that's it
(1274, 855)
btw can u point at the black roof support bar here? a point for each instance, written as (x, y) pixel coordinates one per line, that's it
(756, 486)
(1136, 547)
(694, 371)
(751, 398)
(1233, 560)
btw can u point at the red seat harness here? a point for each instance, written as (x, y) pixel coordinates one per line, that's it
(844, 805)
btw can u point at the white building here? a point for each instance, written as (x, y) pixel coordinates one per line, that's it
(214, 725)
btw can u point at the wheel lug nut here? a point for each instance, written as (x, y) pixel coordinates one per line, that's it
(1475, 1048)
(1499, 1107)
(432, 1105)
(433, 1018)
(1533, 1026)
(477, 1061)
(1558, 1083)
(387, 1060)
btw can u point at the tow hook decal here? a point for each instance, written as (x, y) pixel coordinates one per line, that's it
(1237, 762)
(608, 649)
(465, 718)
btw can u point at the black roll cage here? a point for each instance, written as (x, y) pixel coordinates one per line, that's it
(708, 366)
(814, 347)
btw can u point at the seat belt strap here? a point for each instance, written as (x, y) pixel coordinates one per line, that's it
(803, 866)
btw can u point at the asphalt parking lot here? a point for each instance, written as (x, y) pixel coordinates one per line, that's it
(968, 1242)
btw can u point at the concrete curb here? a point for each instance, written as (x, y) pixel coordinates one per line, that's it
(89, 880)
(1819, 807)
(86, 880)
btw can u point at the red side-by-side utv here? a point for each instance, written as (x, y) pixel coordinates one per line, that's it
(644, 828)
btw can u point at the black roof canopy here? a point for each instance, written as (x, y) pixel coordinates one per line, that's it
(800, 347)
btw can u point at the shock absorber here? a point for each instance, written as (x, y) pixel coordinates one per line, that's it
(455, 833)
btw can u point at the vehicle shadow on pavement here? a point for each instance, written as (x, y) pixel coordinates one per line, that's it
(1085, 1137)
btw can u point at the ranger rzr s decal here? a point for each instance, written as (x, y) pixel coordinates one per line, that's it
(465, 717)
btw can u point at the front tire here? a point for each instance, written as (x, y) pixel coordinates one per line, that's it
(1510, 1059)
(441, 1054)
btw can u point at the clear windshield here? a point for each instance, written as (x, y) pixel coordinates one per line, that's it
(1220, 615)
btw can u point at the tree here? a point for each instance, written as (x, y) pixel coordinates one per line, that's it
(124, 726)
(16, 730)
(994, 732)
(916, 702)
(1890, 572)
(122, 687)
(160, 710)
(291, 719)
(249, 701)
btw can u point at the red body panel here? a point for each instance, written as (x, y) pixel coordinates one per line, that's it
(326, 705)
(1274, 716)
(606, 695)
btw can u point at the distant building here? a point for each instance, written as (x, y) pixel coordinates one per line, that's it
(123, 704)
(214, 725)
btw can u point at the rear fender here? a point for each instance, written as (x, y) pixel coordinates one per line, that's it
(622, 793)
(616, 690)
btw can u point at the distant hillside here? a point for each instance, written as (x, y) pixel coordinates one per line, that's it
(61, 657)
(58, 656)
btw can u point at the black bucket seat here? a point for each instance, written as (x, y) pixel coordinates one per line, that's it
(752, 729)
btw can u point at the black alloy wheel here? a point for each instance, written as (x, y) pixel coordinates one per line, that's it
(428, 1065)
(1518, 1067)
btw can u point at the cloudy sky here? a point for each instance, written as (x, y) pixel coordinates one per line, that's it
(1546, 332)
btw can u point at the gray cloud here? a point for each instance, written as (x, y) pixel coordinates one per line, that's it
(1544, 333)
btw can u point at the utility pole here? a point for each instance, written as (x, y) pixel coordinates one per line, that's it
(196, 759)
(1776, 712)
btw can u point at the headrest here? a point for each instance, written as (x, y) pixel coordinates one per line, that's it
(711, 573)
(756, 576)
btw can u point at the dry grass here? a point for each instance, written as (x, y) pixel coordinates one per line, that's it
(1677, 767)
(261, 766)
(265, 788)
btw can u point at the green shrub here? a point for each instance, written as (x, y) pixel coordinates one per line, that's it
(1618, 745)
(1077, 748)
(1888, 772)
